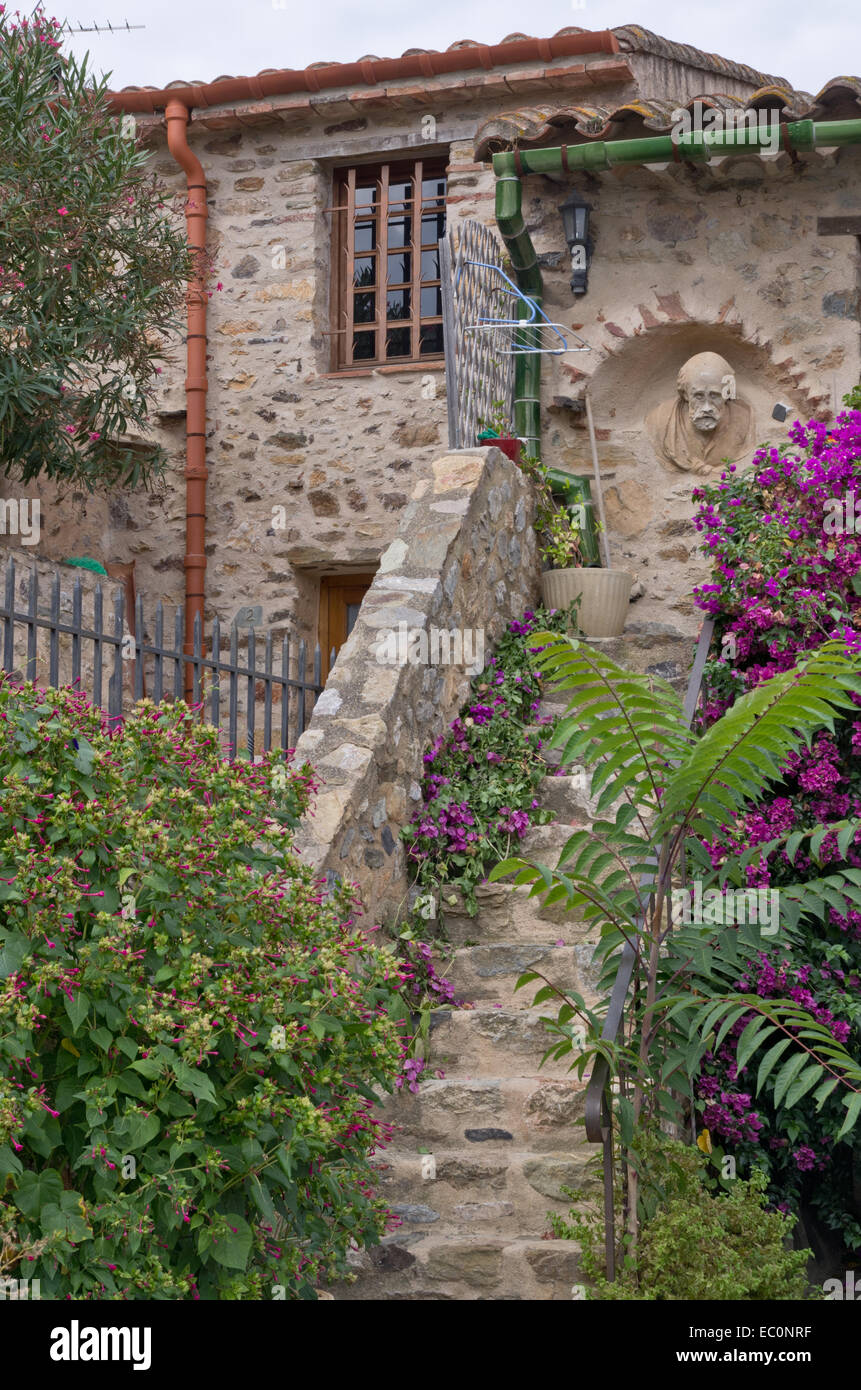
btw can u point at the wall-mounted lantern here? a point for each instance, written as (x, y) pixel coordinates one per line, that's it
(575, 219)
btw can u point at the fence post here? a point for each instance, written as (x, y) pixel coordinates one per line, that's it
(158, 660)
(54, 644)
(233, 709)
(115, 684)
(215, 653)
(98, 646)
(285, 693)
(77, 598)
(9, 618)
(250, 710)
(32, 628)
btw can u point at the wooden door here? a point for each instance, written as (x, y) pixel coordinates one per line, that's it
(340, 598)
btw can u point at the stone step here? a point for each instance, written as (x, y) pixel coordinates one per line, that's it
(668, 654)
(568, 796)
(486, 1041)
(489, 972)
(427, 1267)
(510, 1190)
(484, 1117)
(508, 914)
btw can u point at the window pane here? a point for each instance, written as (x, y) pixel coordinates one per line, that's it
(399, 268)
(352, 615)
(433, 227)
(364, 308)
(364, 270)
(430, 265)
(433, 188)
(364, 346)
(398, 304)
(398, 342)
(431, 338)
(431, 303)
(401, 191)
(363, 236)
(366, 194)
(400, 231)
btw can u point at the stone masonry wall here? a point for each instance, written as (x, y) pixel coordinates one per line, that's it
(728, 260)
(470, 519)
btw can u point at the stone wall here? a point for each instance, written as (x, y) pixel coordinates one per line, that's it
(728, 260)
(469, 520)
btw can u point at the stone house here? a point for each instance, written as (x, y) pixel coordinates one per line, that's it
(323, 411)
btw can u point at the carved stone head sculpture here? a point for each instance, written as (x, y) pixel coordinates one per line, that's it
(706, 424)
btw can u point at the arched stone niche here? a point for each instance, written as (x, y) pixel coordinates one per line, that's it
(647, 493)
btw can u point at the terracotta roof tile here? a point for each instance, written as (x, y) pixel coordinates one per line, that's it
(534, 127)
(629, 38)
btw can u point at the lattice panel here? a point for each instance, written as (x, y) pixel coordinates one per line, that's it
(477, 373)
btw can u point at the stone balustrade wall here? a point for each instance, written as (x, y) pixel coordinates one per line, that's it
(464, 563)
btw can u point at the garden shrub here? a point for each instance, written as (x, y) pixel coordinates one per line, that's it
(695, 1242)
(787, 576)
(189, 1027)
(482, 775)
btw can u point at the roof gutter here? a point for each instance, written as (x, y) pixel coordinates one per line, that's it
(696, 147)
(196, 472)
(368, 72)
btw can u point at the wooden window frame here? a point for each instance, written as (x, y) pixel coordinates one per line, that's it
(345, 214)
(333, 608)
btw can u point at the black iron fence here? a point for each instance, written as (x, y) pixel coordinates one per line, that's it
(60, 646)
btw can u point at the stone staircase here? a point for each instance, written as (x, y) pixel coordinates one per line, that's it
(480, 1153)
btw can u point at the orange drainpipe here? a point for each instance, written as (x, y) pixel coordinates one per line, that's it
(196, 472)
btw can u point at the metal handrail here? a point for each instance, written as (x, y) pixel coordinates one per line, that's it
(598, 1116)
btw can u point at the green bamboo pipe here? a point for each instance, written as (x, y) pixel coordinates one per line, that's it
(527, 274)
(695, 147)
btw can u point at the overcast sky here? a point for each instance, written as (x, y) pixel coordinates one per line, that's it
(204, 39)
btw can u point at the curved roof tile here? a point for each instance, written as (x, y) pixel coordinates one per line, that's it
(632, 38)
(533, 127)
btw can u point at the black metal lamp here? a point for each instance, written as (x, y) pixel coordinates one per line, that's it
(575, 219)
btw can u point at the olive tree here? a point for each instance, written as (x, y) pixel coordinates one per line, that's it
(93, 270)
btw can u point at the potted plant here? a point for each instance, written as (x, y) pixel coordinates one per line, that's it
(496, 431)
(569, 547)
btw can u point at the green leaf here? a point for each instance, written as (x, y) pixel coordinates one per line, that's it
(768, 1061)
(9, 1162)
(36, 1190)
(193, 1080)
(77, 1008)
(853, 1108)
(787, 1074)
(138, 1131)
(16, 948)
(233, 1248)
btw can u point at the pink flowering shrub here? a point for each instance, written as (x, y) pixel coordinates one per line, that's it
(482, 775)
(787, 576)
(188, 1026)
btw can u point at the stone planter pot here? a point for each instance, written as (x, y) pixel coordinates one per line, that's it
(604, 596)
